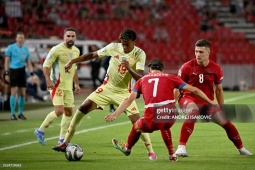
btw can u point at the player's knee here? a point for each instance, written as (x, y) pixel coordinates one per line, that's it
(133, 118)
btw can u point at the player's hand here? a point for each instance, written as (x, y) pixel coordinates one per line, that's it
(126, 64)
(77, 89)
(50, 85)
(68, 66)
(109, 118)
(215, 103)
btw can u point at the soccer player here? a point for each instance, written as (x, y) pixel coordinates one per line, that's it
(157, 88)
(17, 57)
(127, 61)
(206, 75)
(60, 84)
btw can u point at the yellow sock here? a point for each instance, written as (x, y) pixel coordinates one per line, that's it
(73, 125)
(48, 120)
(147, 142)
(65, 122)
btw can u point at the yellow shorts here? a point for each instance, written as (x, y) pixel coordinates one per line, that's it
(62, 97)
(105, 96)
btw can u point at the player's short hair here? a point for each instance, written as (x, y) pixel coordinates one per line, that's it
(20, 33)
(203, 43)
(128, 34)
(156, 64)
(70, 29)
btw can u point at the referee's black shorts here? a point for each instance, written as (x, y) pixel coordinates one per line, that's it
(18, 77)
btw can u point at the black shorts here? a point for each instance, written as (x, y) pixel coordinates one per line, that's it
(18, 77)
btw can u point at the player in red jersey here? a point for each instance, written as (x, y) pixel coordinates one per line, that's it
(206, 75)
(160, 111)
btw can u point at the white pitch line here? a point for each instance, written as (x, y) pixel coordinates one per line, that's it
(56, 137)
(239, 97)
(103, 127)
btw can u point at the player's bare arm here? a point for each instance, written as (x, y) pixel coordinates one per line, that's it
(46, 72)
(77, 88)
(176, 94)
(6, 68)
(122, 107)
(219, 94)
(85, 57)
(197, 92)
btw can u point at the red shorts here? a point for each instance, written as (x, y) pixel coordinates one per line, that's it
(149, 126)
(204, 109)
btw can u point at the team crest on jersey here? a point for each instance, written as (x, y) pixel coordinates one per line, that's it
(71, 55)
(131, 61)
(117, 57)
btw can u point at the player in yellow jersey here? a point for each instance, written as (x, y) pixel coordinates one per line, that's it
(127, 62)
(60, 83)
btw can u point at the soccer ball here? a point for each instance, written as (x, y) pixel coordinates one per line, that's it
(73, 152)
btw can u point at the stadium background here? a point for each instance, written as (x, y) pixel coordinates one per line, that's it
(229, 25)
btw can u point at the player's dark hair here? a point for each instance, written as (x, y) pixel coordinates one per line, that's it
(70, 29)
(19, 33)
(128, 34)
(156, 64)
(203, 43)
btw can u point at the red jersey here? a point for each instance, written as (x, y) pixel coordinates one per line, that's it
(201, 77)
(157, 90)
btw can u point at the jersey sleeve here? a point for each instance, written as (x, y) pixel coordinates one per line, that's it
(105, 51)
(178, 82)
(182, 73)
(8, 51)
(50, 58)
(219, 76)
(28, 54)
(141, 61)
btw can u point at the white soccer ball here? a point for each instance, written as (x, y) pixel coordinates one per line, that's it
(73, 152)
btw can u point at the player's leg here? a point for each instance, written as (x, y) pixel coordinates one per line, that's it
(58, 102)
(65, 122)
(21, 103)
(67, 116)
(187, 127)
(232, 132)
(14, 91)
(167, 138)
(22, 83)
(87, 106)
(134, 116)
(39, 132)
(133, 137)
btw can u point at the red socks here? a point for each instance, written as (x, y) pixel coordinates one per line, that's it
(133, 137)
(233, 134)
(167, 137)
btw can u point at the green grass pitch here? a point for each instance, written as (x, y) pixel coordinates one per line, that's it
(208, 147)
